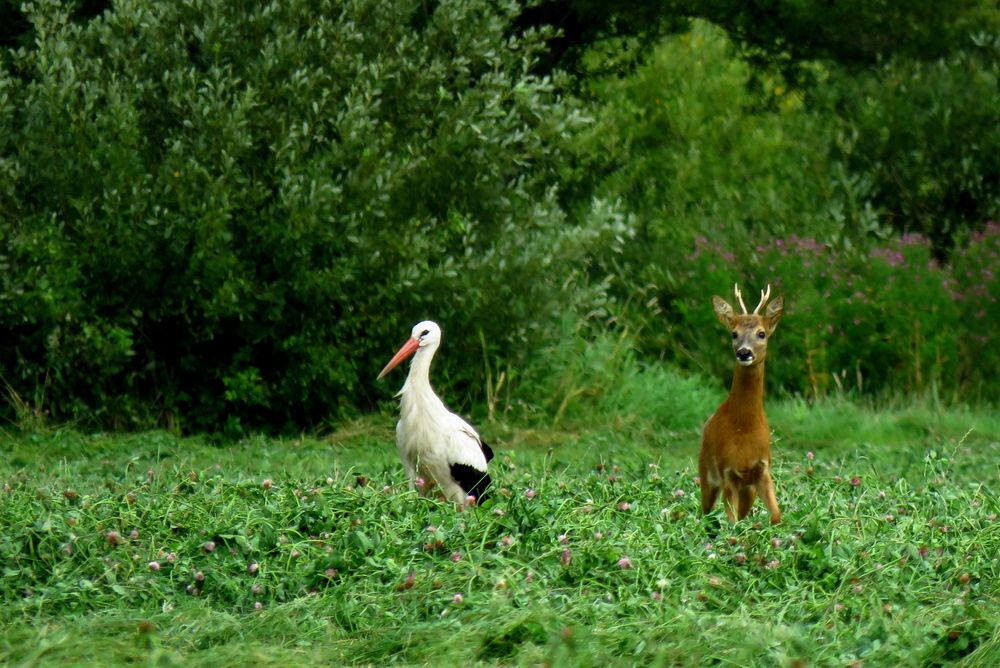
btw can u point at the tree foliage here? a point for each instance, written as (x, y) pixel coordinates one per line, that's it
(924, 135)
(861, 198)
(232, 213)
(785, 33)
(236, 212)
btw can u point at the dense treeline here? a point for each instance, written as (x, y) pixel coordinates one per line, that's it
(782, 34)
(232, 213)
(223, 216)
(866, 199)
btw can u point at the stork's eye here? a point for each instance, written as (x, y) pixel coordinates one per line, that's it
(425, 333)
(761, 334)
(735, 335)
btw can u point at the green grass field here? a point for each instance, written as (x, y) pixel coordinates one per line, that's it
(151, 549)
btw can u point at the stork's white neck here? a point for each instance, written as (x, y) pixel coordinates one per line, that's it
(417, 388)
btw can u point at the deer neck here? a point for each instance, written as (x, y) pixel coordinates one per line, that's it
(746, 397)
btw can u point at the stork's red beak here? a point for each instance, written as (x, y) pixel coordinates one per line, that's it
(408, 349)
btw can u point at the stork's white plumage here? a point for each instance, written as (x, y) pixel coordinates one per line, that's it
(434, 443)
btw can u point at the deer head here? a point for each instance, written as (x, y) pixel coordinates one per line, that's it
(751, 331)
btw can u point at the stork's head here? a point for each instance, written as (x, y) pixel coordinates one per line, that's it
(426, 335)
(751, 331)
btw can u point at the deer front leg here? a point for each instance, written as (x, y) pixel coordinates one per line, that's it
(730, 501)
(709, 490)
(765, 488)
(746, 499)
(709, 495)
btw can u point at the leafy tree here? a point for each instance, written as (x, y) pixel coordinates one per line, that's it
(232, 213)
(925, 136)
(903, 93)
(785, 33)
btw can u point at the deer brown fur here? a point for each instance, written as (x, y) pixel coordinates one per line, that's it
(735, 454)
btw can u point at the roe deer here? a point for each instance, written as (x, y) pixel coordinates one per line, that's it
(736, 443)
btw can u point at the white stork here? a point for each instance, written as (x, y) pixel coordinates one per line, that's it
(434, 443)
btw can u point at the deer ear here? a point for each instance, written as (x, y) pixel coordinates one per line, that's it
(773, 312)
(723, 311)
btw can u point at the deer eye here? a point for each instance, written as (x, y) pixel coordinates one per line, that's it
(761, 334)
(735, 335)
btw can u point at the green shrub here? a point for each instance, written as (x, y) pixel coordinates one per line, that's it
(600, 379)
(234, 213)
(883, 321)
(686, 143)
(924, 137)
(734, 177)
(975, 285)
(691, 148)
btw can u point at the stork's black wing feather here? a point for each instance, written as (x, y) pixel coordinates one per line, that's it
(473, 481)
(487, 450)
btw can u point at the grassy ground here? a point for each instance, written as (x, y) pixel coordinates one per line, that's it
(157, 550)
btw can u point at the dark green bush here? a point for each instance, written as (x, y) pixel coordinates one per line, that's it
(975, 286)
(887, 321)
(684, 144)
(688, 146)
(234, 213)
(924, 136)
(735, 177)
(600, 379)
(775, 33)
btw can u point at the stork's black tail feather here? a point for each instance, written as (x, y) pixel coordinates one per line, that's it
(473, 481)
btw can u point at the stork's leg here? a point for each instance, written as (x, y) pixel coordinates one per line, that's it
(408, 465)
(411, 475)
(450, 487)
(453, 492)
(473, 481)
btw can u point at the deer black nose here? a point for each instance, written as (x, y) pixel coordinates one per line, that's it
(744, 354)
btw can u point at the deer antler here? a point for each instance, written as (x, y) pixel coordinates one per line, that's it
(763, 298)
(739, 296)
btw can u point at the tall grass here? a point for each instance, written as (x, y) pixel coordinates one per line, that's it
(592, 378)
(593, 552)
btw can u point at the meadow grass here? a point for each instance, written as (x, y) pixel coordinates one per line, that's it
(159, 550)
